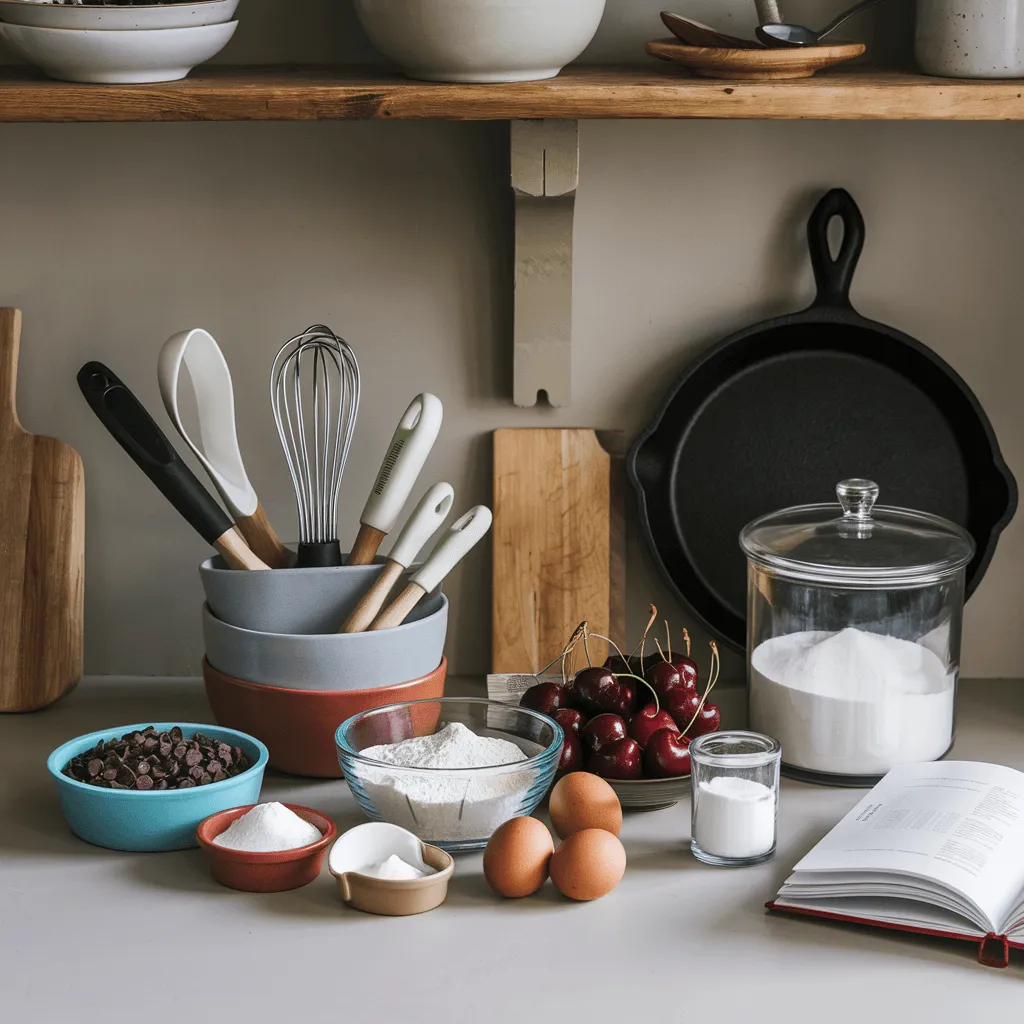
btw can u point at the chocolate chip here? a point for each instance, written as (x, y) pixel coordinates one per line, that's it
(146, 759)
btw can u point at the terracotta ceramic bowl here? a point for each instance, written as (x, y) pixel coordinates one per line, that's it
(298, 726)
(265, 872)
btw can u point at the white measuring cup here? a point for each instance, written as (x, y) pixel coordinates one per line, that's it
(219, 454)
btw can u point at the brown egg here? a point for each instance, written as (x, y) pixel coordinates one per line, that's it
(581, 800)
(516, 859)
(588, 865)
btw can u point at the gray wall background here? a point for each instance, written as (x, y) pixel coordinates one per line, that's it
(398, 235)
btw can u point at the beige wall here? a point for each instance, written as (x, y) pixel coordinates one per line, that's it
(114, 236)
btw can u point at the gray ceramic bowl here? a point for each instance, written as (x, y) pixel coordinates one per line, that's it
(333, 661)
(287, 600)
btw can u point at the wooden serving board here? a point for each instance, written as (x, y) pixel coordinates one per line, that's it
(42, 551)
(558, 544)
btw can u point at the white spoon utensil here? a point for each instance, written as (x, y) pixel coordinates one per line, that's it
(218, 453)
(428, 516)
(417, 431)
(460, 539)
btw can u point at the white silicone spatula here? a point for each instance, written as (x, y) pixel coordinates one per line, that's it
(428, 516)
(461, 537)
(219, 453)
(417, 431)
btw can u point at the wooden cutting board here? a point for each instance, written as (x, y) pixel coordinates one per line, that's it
(42, 551)
(558, 544)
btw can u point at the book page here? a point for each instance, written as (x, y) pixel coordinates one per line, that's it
(957, 823)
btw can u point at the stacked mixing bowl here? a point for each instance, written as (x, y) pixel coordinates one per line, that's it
(117, 43)
(277, 668)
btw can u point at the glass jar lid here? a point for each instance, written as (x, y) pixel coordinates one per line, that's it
(857, 543)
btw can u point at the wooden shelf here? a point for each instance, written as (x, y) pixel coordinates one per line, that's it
(283, 93)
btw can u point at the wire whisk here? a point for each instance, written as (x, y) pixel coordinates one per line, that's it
(314, 392)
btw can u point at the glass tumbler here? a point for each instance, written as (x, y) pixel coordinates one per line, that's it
(735, 804)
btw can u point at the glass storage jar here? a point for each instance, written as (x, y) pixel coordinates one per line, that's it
(854, 616)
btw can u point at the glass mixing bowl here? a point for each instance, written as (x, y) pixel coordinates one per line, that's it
(456, 809)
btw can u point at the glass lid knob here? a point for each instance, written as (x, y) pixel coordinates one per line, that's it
(857, 498)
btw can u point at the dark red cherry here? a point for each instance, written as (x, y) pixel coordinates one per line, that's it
(599, 732)
(595, 690)
(623, 759)
(647, 721)
(667, 755)
(571, 759)
(570, 719)
(682, 706)
(709, 720)
(663, 678)
(546, 698)
(687, 668)
(625, 702)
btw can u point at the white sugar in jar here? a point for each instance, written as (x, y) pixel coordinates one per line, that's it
(735, 778)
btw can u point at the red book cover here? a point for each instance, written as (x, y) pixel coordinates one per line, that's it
(993, 950)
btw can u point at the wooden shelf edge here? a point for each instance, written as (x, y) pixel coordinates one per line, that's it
(285, 93)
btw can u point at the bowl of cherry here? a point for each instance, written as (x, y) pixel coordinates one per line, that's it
(631, 721)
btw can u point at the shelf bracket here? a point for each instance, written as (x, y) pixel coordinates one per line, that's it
(545, 173)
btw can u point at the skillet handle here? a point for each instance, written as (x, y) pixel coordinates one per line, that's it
(834, 276)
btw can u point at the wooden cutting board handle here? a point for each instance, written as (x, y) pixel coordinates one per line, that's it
(10, 339)
(42, 551)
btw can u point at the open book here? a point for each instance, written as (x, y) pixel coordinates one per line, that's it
(935, 848)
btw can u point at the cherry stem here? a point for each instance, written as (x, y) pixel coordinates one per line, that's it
(668, 641)
(586, 645)
(609, 640)
(713, 673)
(647, 629)
(686, 638)
(630, 675)
(660, 651)
(579, 631)
(560, 656)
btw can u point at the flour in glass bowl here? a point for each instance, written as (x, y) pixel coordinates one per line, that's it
(852, 702)
(440, 807)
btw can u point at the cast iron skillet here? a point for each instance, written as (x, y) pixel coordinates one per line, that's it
(778, 414)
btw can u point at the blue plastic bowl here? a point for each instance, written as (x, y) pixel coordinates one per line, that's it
(125, 819)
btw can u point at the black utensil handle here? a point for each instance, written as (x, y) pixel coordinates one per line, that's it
(319, 556)
(834, 276)
(136, 431)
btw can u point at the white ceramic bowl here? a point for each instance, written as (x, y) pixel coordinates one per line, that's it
(117, 57)
(480, 40)
(97, 16)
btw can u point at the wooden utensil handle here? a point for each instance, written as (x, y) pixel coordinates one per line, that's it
(237, 553)
(263, 539)
(397, 612)
(368, 542)
(365, 612)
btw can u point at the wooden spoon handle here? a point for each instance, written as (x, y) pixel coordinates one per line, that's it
(372, 601)
(397, 612)
(263, 539)
(236, 552)
(368, 542)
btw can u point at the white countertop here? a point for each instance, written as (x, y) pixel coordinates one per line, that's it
(151, 937)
